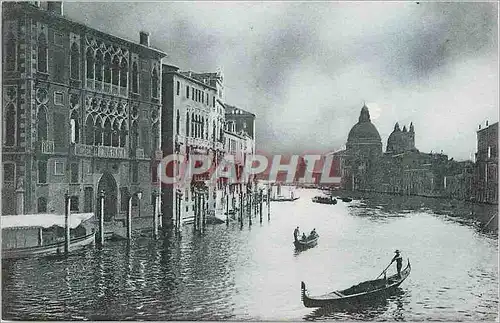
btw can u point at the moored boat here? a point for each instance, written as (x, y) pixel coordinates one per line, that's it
(346, 199)
(36, 235)
(357, 294)
(324, 200)
(281, 198)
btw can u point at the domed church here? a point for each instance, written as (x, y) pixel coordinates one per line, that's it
(401, 141)
(364, 139)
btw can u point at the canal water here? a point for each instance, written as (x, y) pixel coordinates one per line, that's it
(253, 273)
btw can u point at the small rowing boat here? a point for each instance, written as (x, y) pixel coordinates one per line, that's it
(307, 243)
(357, 294)
(346, 199)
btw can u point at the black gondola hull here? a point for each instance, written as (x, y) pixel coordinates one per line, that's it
(355, 300)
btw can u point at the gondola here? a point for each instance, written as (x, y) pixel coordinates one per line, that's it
(357, 294)
(309, 242)
(324, 200)
(346, 199)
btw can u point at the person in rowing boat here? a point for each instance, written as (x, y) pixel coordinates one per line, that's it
(304, 237)
(399, 261)
(296, 234)
(313, 233)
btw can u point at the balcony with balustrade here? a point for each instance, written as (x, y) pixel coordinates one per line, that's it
(100, 151)
(46, 147)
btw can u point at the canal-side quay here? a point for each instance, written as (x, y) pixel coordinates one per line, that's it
(230, 272)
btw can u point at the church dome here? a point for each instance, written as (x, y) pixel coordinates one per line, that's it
(364, 131)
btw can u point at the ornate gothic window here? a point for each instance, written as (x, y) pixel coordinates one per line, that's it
(115, 75)
(98, 131)
(89, 131)
(10, 125)
(107, 68)
(107, 133)
(187, 124)
(42, 123)
(75, 62)
(154, 83)
(123, 73)
(135, 78)
(123, 134)
(99, 65)
(115, 135)
(90, 63)
(42, 53)
(11, 53)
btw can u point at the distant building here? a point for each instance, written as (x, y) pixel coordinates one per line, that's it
(486, 172)
(81, 114)
(402, 168)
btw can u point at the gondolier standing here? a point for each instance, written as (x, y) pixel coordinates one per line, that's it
(296, 234)
(399, 261)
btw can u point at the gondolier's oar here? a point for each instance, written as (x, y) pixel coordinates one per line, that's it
(384, 269)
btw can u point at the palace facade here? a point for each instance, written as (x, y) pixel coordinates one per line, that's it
(81, 115)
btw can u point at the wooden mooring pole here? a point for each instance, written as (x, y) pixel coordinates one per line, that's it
(67, 210)
(129, 218)
(101, 220)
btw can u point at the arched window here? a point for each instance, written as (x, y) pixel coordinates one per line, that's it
(134, 133)
(9, 172)
(98, 131)
(193, 125)
(154, 83)
(42, 205)
(89, 131)
(156, 137)
(11, 53)
(115, 135)
(107, 68)
(187, 124)
(115, 75)
(178, 122)
(202, 128)
(99, 65)
(214, 133)
(75, 127)
(123, 134)
(123, 73)
(135, 78)
(90, 63)
(42, 124)
(107, 133)
(206, 128)
(75, 62)
(42, 53)
(10, 125)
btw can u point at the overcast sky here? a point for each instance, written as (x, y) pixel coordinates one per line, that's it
(305, 69)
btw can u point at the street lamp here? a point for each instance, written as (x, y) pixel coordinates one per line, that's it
(139, 197)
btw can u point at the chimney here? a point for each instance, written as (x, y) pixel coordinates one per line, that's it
(144, 38)
(55, 7)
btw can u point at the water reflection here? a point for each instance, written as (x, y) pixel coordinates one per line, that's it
(252, 273)
(365, 311)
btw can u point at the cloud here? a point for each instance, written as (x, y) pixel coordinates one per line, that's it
(305, 68)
